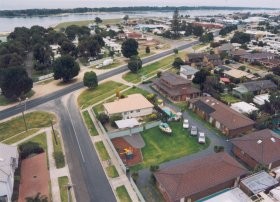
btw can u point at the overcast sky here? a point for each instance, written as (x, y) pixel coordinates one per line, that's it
(24, 4)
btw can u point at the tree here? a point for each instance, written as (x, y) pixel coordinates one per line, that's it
(67, 47)
(206, 38)
(90, 80)
(135, 64)
(148, 50)
(15, 82)
(42, 54)
(198, 31)
(248, 97)
(200, 76)
(240, 37)
(175, 24)
(274, 101)
(176, 51)
(103, 118)
(178, 62)
(125, 18)
(98, 20)
(129, 48)
(65, 68)
(197, 19)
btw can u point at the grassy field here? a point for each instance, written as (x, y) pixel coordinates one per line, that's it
(122, 194)
(229, 98)
(151, 69)
(59, 162)
(16, 125)
(104, 90)
(21, 136)
(41, 139)
(89, 123)
(62, 182)
(161, 148)
(112, 171)
(102, 151)
(85, 23)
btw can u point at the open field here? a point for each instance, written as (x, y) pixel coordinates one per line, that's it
(104, 90)
(161, 147)
(122, 194)
(37, 119)
(89, 123)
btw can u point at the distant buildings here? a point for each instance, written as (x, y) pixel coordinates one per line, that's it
(207, 25)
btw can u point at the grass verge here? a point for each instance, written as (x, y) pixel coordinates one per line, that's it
(57, 151)
(104, 90)
(112, 171)
(89, 123)
(102, 151)
(63, 182)
(122, 194)
(20, 137)
(16, 125)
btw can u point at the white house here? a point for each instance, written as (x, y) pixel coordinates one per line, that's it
(133, 106)
(243, 107)
(8, 164)
(187, 72)
(261, 99)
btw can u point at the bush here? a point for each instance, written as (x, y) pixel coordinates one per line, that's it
(113, 119)
(29, 148)
(218, 149)
(103, 118)
(154, 168)
(153, 117)
(59, 159)
(135, 176)
(159, 74)
(242, 68)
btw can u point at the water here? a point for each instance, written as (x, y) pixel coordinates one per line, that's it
(8, 24)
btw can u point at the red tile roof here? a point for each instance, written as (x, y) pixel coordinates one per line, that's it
(199, 175)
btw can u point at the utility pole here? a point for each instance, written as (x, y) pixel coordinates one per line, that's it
(22, 112)
(69, 186)
(53, 131)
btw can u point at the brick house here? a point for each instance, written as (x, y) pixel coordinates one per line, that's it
(260, 147)
(176, 87)
(194, 59)
(221, 116)
(212, 60)
(198, 178)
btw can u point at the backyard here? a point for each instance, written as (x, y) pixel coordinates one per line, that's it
(162, 148)
(229, 99)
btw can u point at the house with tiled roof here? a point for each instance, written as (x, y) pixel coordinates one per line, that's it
(213, 60)
(198, 178)
(228, 121)
(260, 147)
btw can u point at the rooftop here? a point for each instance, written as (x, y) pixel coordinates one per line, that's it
(243, 107)
(7, 154)
(188, 70)
(259, 85)
(174, 79)
(232, 195)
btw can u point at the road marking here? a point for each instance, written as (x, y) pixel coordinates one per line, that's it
(76, 135)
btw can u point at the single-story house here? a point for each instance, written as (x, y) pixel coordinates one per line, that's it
(225, 119)
(260, 147)
(257, 57)
(8, 163)
(176, 87)
(188, 72)
(270, 63)
(238, 74)
(198, 178)
(224, 48)
(132, 106)
(261, 99)
(236, 54)
(243, 107)
(194, 59)
(258, 182)
(255, 87)
(212, 60)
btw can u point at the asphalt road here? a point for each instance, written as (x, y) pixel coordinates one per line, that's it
(38, 101)
(87, 175)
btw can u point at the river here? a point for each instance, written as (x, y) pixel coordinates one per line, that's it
(8, 24)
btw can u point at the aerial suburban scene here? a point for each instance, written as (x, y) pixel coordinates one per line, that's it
(139, 101)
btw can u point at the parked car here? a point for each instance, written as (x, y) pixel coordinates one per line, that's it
(194, 130)
(186, 123)
(201, 138)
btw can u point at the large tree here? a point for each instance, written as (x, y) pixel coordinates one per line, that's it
(240, 37)
(135, 64)
(90, 80)
(98, 20)
(178, 62)
(175, 24)
(65, 68)
(200, 76)
(15, 82)
(42, 55)
(129, 48)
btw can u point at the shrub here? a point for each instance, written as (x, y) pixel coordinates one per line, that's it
(103, 118)
(218, 149)
(153, 117)
(159, 74)
(154, 168)
(59, 159)
(29, 148)
(135, 176)
(113, 119)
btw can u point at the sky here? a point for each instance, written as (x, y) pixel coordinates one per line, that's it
(25, 4)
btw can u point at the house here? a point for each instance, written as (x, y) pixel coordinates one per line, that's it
(176, 87)
(260, 147)
(257, 57)
(8, 163)
(236, 54)
(207, 25)
(194, 59)
(270, 63)
(198, 178)
(257, 183)
(188, 72)
(261, 99)
(244, 107)
(238, 74)
(132, 106)
(134, 35)
(224, 48)
(212, 60)
(254, 87)
(232, 195)
(221, 116)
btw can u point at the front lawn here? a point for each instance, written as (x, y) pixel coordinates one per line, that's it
(161, 147)
(21, 136)
(122, 194)
(16, 125)
(103, 91)
(89, 123)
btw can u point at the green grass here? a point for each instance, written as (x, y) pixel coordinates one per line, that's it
(227, 98)
(57, 147)
(41, 139)
(16, 125)
(89, 123)
(102, 151)
(122, 194)
(112, 171)
(4, 101)
(162, 148)
(21, 136)
(62, 182)
(151, 69)
(103, 91)
(85, 23)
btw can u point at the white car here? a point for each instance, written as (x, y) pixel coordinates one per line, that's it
(201, 138)
(186, 123)
(194, 130)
